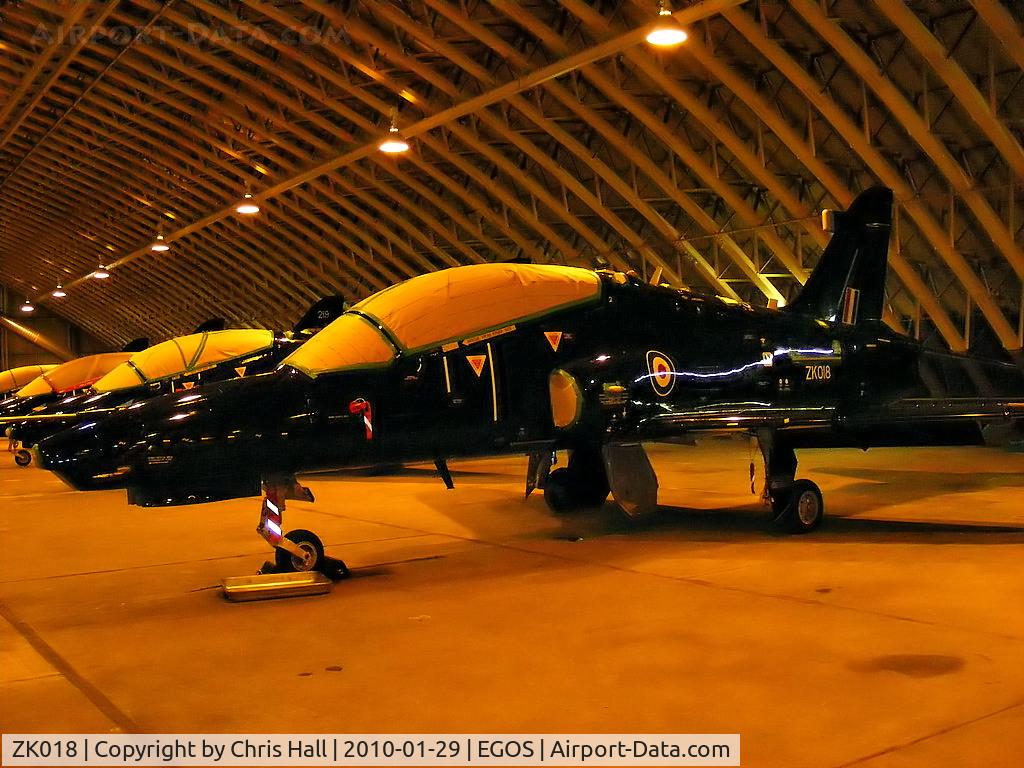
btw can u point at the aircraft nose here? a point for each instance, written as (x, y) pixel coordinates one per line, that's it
(80, 457)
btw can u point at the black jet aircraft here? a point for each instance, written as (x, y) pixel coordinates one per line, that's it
(211, 353)
(54, 382)
(61, 381)
(516, 358)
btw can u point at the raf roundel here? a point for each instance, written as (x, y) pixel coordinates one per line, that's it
(661, 372)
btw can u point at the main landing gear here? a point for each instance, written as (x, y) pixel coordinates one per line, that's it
(594, 471)
(797, 505)
(581, 485)
(299, 550)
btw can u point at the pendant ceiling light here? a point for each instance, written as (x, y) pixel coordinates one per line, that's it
(248, 206)
(666, 32)
(159, 245)
(394, 143)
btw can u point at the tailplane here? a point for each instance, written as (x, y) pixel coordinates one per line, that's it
(848, 285)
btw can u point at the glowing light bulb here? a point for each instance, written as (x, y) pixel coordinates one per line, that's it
(394, 143)
(247, 207)
(159, 245)
(667, 31)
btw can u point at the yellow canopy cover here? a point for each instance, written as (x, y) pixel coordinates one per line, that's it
(16, 378)
(74, 374)
(353, 342)
(185, 354)
(443, 306)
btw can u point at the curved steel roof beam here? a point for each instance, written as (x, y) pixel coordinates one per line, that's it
(57, 72)
(624, 145)
(907, 116)
(960, 84)
(567, 180)
(73, 16)
(889, 176)
(362, 32)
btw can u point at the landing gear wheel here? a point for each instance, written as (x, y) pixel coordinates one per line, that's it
(569, 489)
(313, 553)
(22, 457)
(559, 491)
(801, 509)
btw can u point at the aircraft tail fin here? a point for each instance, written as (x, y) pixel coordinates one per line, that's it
(213, 324)
(136, 345)
(848, 285)
(320, 314)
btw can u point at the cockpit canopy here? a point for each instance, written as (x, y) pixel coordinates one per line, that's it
(16, 378)
(440, 307)
(74, 374)
(185, 354)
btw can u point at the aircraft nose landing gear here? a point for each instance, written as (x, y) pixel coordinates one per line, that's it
(297, 551)
(312, 552)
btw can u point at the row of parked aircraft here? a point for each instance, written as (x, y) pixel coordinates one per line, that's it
(511, 358)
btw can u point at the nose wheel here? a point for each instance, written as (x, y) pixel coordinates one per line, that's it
(297, 551)
(312, 556)
(22, 457)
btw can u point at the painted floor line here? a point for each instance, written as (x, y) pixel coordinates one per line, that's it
(96, 697)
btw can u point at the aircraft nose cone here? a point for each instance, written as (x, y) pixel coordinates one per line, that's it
(78, 457)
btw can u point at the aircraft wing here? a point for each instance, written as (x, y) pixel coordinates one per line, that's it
(871, 424)
(729, 417)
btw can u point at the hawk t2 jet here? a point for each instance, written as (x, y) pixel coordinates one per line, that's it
(516, 358)
(210, 353)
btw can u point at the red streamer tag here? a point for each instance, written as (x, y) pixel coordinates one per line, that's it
(362, 406)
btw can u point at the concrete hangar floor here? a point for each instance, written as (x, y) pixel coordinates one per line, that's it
(893, 636)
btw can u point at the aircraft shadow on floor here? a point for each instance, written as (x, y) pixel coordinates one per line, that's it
(752, 523)
(880, 488)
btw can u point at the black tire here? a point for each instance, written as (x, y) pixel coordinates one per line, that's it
(779, 498)
(592, 492)
(308, 541)
(22, 457)
(559, 491)
(587, 466)
(803, 508)
(569, 489)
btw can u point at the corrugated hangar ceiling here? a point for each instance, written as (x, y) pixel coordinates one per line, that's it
(547, 131)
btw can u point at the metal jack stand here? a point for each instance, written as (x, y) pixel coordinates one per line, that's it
(270, 584)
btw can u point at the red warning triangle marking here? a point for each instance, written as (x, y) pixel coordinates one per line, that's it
(476, 362)
(554, 339)
(240, 370)
(188, 384)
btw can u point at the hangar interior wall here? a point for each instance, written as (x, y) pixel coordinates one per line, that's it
(16, 351)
